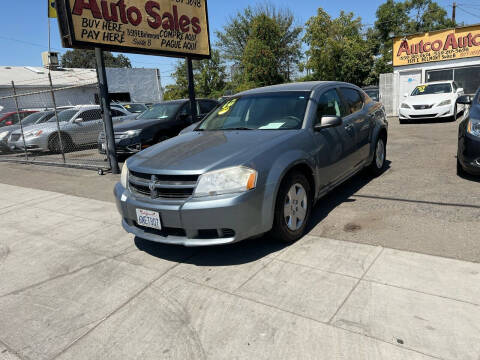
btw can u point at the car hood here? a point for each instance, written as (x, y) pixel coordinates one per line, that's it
(10, 128)
(140, 124)
(198, 152)
(428, 99)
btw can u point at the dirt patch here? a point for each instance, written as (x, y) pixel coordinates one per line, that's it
(352, 227)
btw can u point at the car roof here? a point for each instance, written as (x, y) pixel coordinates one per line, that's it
(298, 86)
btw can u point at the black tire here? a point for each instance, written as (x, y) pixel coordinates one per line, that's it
(280, 230)
(54, 144)
(376, 168)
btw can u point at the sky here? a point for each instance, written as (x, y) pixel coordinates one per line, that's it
(24, 26)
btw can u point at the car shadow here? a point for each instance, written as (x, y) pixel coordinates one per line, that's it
(257, 248)
(223, 255)
(469, 177)
(340, 195)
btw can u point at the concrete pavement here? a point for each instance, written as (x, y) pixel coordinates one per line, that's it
(73, 285)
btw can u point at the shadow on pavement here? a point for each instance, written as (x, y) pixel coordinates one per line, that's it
(340, 195)
(235, 254)
(254, 249)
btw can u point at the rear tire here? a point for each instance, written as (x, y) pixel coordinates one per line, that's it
(292, 208)
(377, 166)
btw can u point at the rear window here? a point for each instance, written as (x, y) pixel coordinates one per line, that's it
(432, 89)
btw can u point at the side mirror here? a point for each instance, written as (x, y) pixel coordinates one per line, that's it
(328, 122)
(78, 120)
(459, 90)
(464, 100)
(405, 95)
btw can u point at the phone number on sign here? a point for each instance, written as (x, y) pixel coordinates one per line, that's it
(196, 3)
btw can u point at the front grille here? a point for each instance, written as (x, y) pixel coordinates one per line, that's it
(15, 137)
(426, 116)
(162, 186)
(422, 107)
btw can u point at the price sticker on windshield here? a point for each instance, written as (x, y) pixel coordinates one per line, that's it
(226, 108)
(421, 88)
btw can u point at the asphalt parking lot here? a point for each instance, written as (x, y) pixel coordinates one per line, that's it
(389, 270)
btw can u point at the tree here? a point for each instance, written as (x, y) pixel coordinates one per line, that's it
(337, 48)
(232, 40)
(209, 76)
(262, 53)
(85, 59)
(400, 19)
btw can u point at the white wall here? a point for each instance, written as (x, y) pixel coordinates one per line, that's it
(144, 85)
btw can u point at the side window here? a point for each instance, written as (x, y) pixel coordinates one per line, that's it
(455, 87)
(117, 113)
(353, 100)
(329, 104)
(91, 115)
(207, 106)
(185, 110)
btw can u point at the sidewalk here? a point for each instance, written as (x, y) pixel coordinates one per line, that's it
(74, 285)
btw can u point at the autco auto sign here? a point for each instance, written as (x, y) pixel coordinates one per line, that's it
(161, 27)
(437, 46)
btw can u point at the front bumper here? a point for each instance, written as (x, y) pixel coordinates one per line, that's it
(127, 146)
(433, 113)
(469, 153)
(195, 222)
(32, 144)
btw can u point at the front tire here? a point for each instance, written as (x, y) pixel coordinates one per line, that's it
(377, 166)
(292, 208)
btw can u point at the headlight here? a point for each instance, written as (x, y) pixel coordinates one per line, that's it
(474, 127)
(226, 181)
(3, 135)
(445, 102)
(129, 134)
(35, 133)
(405, 106)
(124, 176)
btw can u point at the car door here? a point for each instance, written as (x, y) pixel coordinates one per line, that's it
(87, 131)
(334, 146)
(359, 119)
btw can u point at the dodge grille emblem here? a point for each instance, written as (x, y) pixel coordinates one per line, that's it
(153, 186)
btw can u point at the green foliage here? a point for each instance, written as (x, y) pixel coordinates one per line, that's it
(85, 59)
(262, 53)
(399, 19)
(209, 76)
(337, 48)
(233, 39)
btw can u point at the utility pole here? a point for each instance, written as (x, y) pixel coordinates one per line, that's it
(454, 10)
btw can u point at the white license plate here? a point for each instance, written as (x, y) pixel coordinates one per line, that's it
(150, 219)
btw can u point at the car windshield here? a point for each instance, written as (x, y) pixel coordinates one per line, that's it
(64, 116)
(432, 89)
(279, 111)
(160, 111)
(135, 108)
(33, 118)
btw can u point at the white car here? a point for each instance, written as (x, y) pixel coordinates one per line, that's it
(431, 101)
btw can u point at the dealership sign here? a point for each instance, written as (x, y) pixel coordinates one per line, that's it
(162, 27)
(437, 46)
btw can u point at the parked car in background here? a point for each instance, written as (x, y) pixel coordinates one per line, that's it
(11, 118)
(134, 108)
(255, 164)
(79, 127)
(468, 157)
(373, 92)
(435, 100)
(162, 121)
(32, 119)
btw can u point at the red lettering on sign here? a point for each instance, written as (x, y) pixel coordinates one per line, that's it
(403, 48)
(451, 41)
(113, 16)
(474, 40)
(134, 20)
(150, 7)
(196, 25)
(437, 45)
(87, 4)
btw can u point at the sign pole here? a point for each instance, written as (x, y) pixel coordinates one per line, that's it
(191, 90)
(106, 112)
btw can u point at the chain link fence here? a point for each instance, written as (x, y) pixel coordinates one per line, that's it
(53, 125)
